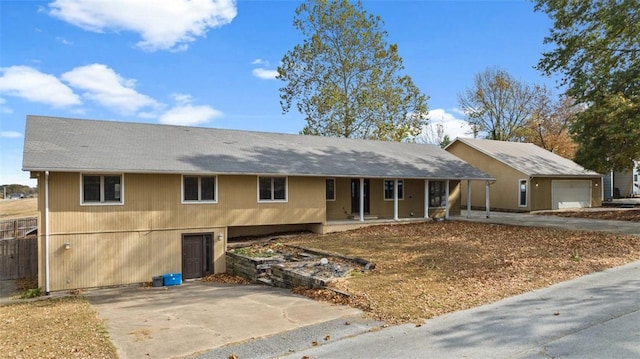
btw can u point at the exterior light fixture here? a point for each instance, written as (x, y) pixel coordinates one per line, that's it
(67, 246)
(220, 237)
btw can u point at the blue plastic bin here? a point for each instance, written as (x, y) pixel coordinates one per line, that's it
(170, 279)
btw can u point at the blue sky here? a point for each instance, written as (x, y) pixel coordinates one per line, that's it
(212, 63)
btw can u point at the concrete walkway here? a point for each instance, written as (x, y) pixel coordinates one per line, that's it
(549, 221)
(595, 316)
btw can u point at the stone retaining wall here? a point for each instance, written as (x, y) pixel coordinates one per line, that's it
(248, 267)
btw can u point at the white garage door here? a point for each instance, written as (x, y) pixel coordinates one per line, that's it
(570, 194)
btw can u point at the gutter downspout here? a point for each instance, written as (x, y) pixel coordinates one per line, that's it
(46, 233)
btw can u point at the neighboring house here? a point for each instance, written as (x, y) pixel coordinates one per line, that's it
(122, 202)
(15, 196)
(528, 177)
(625, 184)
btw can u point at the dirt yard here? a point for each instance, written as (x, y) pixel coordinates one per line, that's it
(428, 269)
(18, 208)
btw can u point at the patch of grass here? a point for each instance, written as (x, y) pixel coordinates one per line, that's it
(31, 293)
(53, 328)
(18, 208)
(428, 269)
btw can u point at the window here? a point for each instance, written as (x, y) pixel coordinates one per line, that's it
(331, 189)
(522, 193)
(101, 189)
(272, 189)
(388, 190)
(437, 193)
(199, 189)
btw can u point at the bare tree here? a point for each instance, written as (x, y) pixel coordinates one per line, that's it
(498, 104)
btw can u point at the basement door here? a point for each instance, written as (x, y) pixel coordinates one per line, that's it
(197, 255)
(570, 194)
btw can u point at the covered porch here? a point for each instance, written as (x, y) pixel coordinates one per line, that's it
(395, 199)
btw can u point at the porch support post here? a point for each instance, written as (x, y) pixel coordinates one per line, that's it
(446, 200)
(487, 198)
(395, 199)
(426, 198)
(361, 199)
(468, 199)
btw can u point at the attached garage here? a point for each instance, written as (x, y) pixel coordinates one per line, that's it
(528, 178)
(571, 194)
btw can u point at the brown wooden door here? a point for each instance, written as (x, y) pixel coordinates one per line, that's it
(196, 255)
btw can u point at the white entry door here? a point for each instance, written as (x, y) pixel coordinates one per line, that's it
(571, 194)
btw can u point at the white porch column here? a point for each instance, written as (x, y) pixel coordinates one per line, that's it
(426, 198)
(446, 200)
(362, 199)
(468, 198)
(487, 198)
(395, 199)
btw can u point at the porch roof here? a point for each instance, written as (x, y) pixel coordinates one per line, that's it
(74, 145)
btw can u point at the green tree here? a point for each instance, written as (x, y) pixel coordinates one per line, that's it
(498, 104)
(597, 53)
(346, 79)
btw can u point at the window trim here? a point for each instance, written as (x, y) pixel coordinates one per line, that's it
(384, 191)
(526, 193)
(334, 189)
(102, 202)
(286, 190)
(199, 201)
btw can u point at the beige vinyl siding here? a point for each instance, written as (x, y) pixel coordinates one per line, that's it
(130, 243)
(154, 202)
(340, 209)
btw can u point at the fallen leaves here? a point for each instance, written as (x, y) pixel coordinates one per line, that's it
(53, 328)
(428, 269)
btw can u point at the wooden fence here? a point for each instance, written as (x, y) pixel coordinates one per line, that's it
(17, 228)
(18, 258)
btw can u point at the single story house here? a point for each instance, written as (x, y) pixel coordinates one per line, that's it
(528, 177)
(122, 202)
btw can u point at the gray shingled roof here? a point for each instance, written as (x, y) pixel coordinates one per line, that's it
(529, 158)
(70, 145)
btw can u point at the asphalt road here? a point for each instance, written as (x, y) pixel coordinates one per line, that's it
(595, 316)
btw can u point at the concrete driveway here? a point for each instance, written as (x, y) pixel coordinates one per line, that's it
(170, 322)
(549, 221)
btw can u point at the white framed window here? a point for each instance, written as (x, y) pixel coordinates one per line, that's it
(523, 189)
(272, 189)
(331, 189)
(388, 190)
(199, 189)
(101, 189)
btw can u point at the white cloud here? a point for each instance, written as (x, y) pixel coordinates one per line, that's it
(453, 126)
(109, 89)
(265, 74)
(35, 86)
(189, 115)
(181, 98)
(10, 134)
(260, 62)
(64, 41)
(163, 25)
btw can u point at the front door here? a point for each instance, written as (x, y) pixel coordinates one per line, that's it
(355, 196)
(197, 255)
